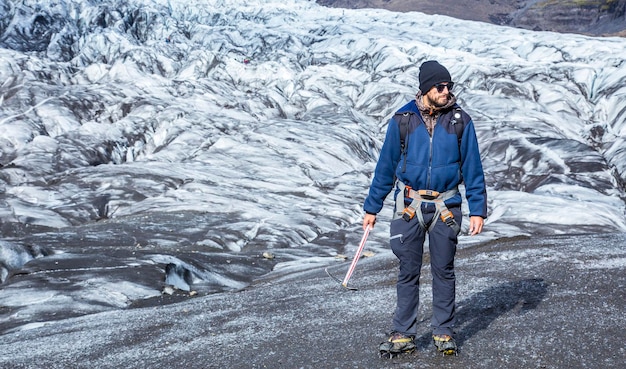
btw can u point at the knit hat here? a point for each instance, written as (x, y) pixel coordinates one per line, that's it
(431, 73)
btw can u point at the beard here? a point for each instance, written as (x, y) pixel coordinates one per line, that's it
(437, 100)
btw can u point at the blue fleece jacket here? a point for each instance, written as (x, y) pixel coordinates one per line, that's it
(437, 163)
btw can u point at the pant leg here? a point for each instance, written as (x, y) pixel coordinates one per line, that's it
(442, 245)
(407, 243)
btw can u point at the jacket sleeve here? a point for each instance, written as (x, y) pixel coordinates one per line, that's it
(384, 174)
(472, 171)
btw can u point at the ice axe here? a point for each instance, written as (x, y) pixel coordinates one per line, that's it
(356, 258)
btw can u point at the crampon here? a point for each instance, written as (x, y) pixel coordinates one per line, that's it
(445, 344)
(396, 345)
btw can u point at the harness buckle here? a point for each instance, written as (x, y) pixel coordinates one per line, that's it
(407, 191)
(408, 213)
(447, 217)
(428, 194)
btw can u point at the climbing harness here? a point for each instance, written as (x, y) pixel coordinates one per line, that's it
(425, 196)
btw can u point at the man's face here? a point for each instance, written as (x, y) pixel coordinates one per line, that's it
(439, 94)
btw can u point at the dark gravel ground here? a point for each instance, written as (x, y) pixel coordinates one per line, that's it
(551, 302)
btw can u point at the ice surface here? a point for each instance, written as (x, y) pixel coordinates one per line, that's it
(138, 133)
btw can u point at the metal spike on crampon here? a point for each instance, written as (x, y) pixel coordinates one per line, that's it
(396, 345)
(445, 344)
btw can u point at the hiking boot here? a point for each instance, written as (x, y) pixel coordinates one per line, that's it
(444, 344)
(397, 344)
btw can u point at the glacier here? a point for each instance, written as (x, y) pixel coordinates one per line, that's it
(137, 134)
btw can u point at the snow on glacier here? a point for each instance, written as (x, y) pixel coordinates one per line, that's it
(266, 117)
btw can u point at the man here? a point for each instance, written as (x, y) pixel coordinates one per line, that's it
(426, 162)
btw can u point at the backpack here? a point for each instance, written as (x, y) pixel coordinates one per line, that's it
(458, 120)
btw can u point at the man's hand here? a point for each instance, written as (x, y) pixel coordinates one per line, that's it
(369, 219)
(476, 225)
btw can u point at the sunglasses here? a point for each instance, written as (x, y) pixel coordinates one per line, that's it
(441, 86)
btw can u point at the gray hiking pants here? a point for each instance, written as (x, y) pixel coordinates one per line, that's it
(407, 243)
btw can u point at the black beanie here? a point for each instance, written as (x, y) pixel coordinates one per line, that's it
(431, 73)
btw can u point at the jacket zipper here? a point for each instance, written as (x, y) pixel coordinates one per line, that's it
(430, 153)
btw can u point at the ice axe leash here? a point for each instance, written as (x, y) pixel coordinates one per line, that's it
(356, 258)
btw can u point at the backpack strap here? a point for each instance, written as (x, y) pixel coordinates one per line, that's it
(458, 121)
(403, 125)
(404, 129)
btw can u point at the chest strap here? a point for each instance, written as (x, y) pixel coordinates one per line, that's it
(425, 196)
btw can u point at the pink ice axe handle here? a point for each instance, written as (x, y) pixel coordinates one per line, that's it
(357, 256)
